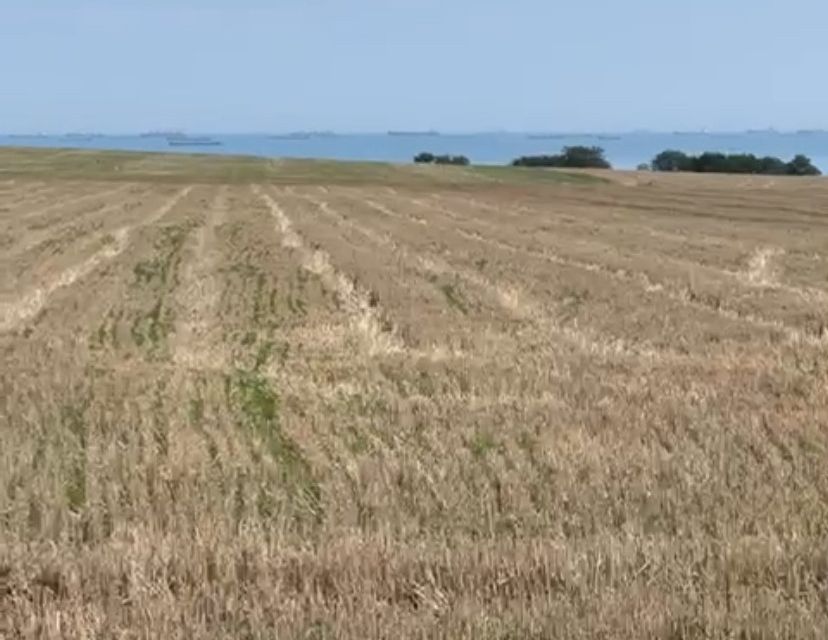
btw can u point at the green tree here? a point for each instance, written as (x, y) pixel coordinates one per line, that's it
(585, 158)
(448, 159)
(801, 166)
(429, 158)
(711, 162)
(773, 166)
(716, 162)
(672, 160)
(571, 157)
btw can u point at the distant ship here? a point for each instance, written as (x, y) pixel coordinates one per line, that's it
(192, 141)
(547, 136)
(25, 136)
(162, 134)
(414, 133)
(607, 137)
(297, 135)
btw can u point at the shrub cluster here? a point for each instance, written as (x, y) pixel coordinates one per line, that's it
(430, 158)
(712, 162)
(671, 160)
(570, 157)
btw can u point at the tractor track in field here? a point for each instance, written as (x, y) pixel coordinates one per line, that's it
(364, 318)
(16, 312)
(199, 294)
(70, 229)
(756, 275)
(32, 217)
(511, 298)
(684, 296)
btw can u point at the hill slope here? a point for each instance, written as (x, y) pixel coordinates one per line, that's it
(311, 400)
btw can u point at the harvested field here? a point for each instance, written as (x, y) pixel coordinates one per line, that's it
(259, 399)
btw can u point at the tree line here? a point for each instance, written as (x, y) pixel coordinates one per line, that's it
(578, 157)
(712, 162)
(570, 157)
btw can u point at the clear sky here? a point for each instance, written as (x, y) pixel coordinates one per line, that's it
(371, 65)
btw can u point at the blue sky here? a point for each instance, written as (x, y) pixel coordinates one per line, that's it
(372, 65)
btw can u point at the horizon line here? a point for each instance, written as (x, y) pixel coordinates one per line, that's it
(414, 132)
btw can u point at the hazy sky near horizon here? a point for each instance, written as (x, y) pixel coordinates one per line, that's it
(371, 65)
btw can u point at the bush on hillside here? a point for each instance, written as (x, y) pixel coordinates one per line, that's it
(570, 157)
(714, 162)
(772, 166)
(458, 160)
(429, 158)
(671, 160)
(801, 166)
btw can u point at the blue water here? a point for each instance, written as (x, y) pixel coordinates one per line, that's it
(624, 151)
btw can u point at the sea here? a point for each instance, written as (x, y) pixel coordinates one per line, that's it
(623, 150)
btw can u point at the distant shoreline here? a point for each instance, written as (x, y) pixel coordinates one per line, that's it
(536, 134)
(623, 151)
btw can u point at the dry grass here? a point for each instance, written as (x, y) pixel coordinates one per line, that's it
(282, 404)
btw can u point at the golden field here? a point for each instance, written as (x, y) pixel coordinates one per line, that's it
(292, 399)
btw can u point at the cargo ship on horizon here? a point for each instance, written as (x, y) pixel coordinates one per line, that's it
(429, 133)
(161, 134)
(192, 141)
(295, 135)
